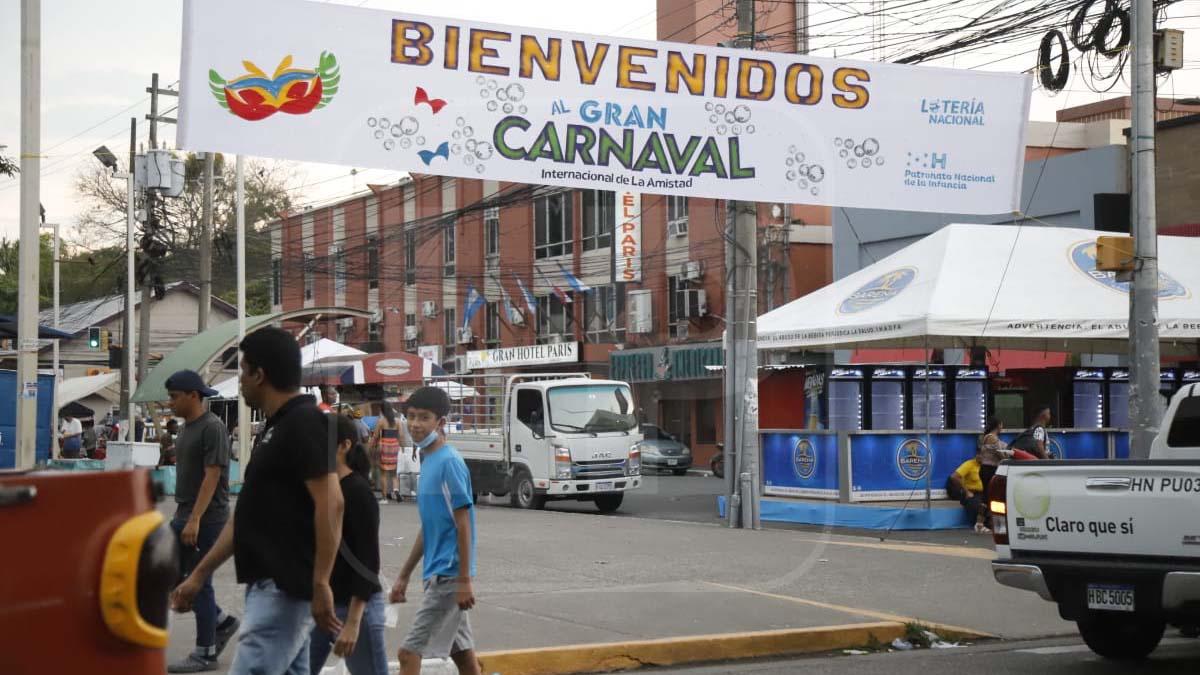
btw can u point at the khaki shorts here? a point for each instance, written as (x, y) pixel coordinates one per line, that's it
(440, 628)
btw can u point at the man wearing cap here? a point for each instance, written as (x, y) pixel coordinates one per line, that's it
(202, 507)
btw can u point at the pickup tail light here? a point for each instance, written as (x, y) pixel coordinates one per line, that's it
(998, 508)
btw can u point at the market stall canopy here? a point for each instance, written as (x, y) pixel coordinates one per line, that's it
(455, 390)
(1000, 286)
(198, 351)
(322, 348)
(380, 368)
(76, 388)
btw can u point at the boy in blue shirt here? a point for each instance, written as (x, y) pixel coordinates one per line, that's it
(445, 545)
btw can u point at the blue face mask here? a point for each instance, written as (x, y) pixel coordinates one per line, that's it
(428, 440)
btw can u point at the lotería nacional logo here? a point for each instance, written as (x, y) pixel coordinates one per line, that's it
(1083, 256)
(878, 290)
(912, 459)
(296, 91)
(804, 459)
(954, 112)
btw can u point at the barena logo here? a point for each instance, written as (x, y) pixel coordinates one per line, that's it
(912, 459)
(296, 91)
(804, 459)
(1083, 256)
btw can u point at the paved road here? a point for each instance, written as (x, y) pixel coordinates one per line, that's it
(1060, 657)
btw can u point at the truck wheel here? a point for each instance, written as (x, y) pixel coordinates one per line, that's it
(524, 496)
(1122, 638)
(609, 503)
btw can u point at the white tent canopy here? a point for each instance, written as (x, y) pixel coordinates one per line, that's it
(310, 352)
(76, 388)
(1026, 287)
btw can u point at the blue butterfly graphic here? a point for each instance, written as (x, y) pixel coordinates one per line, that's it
(427, 155)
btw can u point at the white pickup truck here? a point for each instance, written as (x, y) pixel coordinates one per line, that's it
(546, 436)
(1116, 544)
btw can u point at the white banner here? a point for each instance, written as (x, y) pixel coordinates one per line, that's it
(369, 88)
(532, 355)
(629, 236)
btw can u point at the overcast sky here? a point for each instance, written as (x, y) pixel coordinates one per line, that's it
(97, 58)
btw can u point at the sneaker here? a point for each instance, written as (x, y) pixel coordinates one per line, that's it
(980, 528)
(225, 632)
(194, 663)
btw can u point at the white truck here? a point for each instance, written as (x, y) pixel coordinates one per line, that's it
(1116, 544)
(560, 436)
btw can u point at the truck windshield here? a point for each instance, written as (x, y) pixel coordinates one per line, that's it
(591, 408)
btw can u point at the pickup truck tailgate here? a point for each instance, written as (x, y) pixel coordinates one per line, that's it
(1141, 508)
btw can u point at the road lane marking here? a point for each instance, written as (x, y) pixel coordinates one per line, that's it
(858, 611)
(928, 549)
(1075, 649)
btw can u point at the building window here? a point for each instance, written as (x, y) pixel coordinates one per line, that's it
(410, 329)
(552, 225)
(599, 215)
(276, 281)
(677, 215)
(492, 323)
(410, 257)
(491, 228)
(674, 311)
(603, 309)
(552, 316)
(450, 327)
(308, 276)
(448, 234)
(374, 331)
(372, 262)
(339, 271)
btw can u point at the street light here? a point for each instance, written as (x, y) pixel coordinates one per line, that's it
(57, 380)
(109, 160)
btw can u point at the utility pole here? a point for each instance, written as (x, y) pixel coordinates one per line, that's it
(30, 247)
(741, 348)
(206, 229)
(127, 341)
(1145, 404)
(148, 231)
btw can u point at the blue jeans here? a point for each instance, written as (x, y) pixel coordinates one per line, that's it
(205, 605)
(370, 653)
(274, 635)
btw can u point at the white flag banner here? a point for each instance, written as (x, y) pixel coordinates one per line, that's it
(369, 88)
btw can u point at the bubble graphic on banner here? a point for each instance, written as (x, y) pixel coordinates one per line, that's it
(729, 118)
(379, 133)
(736, 129)
(479, 168)
(815, 192)
(389, 144)
(816, 173)
(483, 93)
(791, 175)
(492, 85)
(468, 132)
(371, 121)
(749, 128)
(708, 106)
(866, 162)
(502, 94)
(803, 183)
(384, 123)
(515, 91)
(721, 129)
(457, 134)
(409, 125)
(471, 145)
(805, 175)
(848, 143)
(742, 113)
(524, 109)
(396, 131)
(859, 151)
(800, 157)
(480, 80)
(420, 140)
(792, 150)
(508, 107)
(870, 147)
(712, 119)
(492, 106)
(406, 142)
(462, 121)
(468, 159)
(879, 161)
(484, 150)
(719, 108)
(852, 163)
(789, 161)
(843, 154)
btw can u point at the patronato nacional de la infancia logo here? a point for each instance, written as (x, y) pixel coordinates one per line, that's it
(804, 459)
(878, 290)
(1083, 256)
(912, 459)
(296, 91)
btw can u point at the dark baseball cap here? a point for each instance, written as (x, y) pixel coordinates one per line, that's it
(189, 380)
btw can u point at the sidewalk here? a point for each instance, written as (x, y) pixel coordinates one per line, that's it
(553, 579)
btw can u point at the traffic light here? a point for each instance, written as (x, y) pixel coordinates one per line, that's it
(93, 338)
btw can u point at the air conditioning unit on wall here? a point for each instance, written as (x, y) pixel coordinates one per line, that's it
(691, 270)
(429, 309)
(465, 336)
(410, 332)
(346, 323)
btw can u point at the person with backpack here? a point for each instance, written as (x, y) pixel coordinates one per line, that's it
(992, 451)
(1034, 439)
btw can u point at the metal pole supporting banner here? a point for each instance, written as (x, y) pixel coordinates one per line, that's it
(127, 340)
(29, 256)
(244, 426)
(54, 430)
(206, 230)
(1144, 378)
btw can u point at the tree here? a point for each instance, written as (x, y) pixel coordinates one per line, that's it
(10, 273)
(8, 167)
(178, 220)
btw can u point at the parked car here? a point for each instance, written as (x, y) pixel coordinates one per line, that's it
(661, 450)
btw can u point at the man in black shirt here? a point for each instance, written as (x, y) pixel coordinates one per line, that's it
(202, 507)
(287, 523)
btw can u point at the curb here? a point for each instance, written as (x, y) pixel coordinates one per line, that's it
(617, 656)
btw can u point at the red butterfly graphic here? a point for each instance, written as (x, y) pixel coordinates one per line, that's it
(436, 103)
